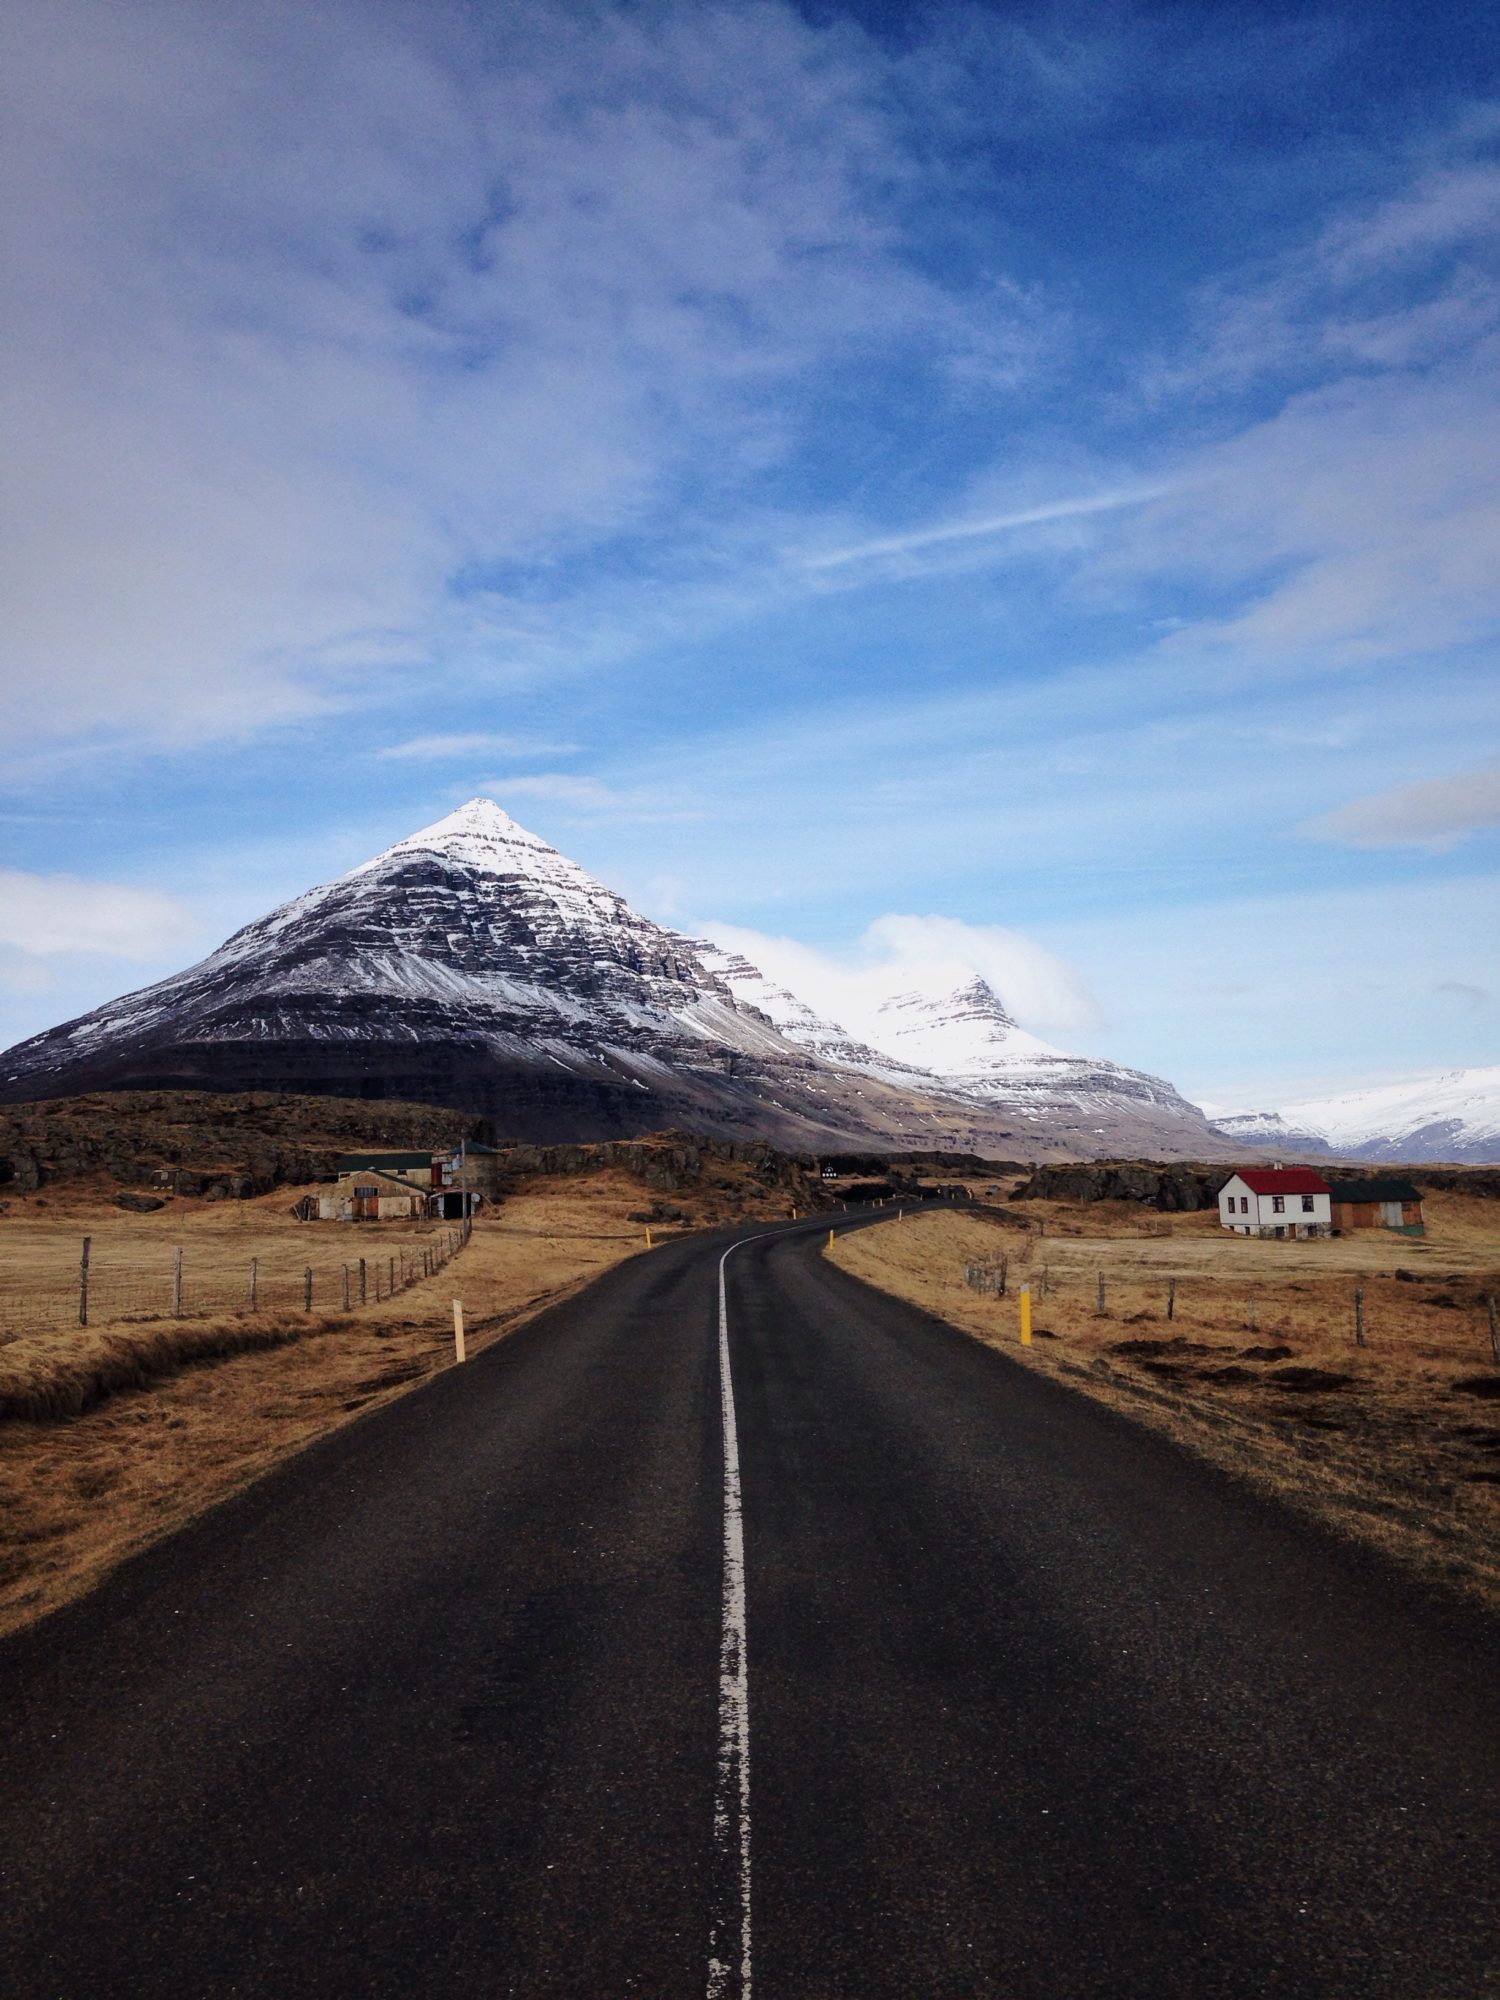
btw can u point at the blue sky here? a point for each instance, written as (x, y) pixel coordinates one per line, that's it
(1034, 469)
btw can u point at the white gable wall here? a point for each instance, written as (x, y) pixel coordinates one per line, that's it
(1248, 1213)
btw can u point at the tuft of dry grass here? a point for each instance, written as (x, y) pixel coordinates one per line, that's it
(43, 1380)
(1396, 1442)
(129, 1432)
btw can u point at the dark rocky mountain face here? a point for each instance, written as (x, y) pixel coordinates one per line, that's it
(472, 965)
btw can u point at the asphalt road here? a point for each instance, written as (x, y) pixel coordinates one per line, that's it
(1037, 1706)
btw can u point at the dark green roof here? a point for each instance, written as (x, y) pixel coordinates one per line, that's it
(1376, 1190)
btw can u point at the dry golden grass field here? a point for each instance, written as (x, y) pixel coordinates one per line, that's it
(131, 1258)
(127, 1429)
(1396, 1442)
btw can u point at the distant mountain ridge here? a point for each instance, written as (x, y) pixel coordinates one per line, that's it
(1452, 1116)
(471, 964)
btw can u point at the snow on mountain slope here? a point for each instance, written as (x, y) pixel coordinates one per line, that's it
(965, 1033)
(474, 916)
(473, 964)
(1453, 1116)
(972, 1045)
(797, 1021)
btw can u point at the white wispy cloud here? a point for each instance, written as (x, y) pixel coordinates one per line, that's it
(47, 915)
(1432, 813)
(1357, 524)
(1394, 281)
(477, 743)
(316, 311)
(573, 793)
(911, 954)
(559, 788)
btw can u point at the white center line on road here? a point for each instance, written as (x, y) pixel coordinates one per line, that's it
(731, 1919)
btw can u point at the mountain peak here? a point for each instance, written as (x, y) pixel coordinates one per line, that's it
(979, 997)
(471, 964)
(972, 999)
(481, 835)
(962, 1031)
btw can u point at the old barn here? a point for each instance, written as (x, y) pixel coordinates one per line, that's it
(1383, 1202)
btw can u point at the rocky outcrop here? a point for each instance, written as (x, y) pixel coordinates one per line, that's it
(1170, 1188)
(201, 1143)
(230, 1148)
(671, 1162)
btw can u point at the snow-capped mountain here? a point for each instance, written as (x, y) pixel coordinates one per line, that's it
(968, 1040)
(473, 964)
(964, 1033)
(1454, 1116)
(1270, 1128)
(470, 963)
(799, 1022)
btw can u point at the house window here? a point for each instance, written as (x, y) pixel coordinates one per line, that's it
(1307, 1204)
(1278, 1204)
(1244, 1204)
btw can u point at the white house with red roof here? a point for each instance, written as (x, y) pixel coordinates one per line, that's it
(1276, 1201)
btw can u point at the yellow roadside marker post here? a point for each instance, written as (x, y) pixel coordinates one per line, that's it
(1026, 1315)
(648, 1236)
(830, 1239)
(459, 1353)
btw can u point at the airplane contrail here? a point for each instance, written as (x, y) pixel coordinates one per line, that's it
(960, 531)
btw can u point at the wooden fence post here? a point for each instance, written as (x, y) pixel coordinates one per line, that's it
(307, 1289)
(1099, 1303)
(346, 1288)
(1359, 1315)
(177, 1282)
(390, 1282)
(361, 1280)
(1494, 1330)
(83, 1288)
(254, 1284)
(1171, 1298)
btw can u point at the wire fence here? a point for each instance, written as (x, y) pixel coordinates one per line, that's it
(125, 1283)
(1458, 1319)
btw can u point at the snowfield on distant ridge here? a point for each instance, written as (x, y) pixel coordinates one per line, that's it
(1452, 1115)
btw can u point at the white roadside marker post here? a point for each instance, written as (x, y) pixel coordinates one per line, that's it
(459, 1353)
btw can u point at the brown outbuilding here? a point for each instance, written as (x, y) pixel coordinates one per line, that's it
(1382, 1202)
